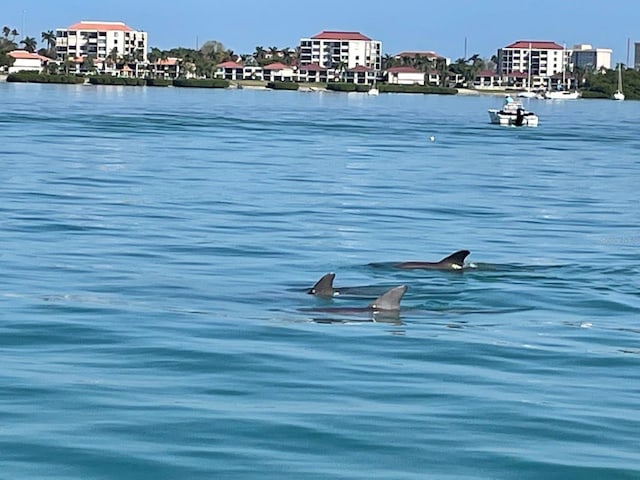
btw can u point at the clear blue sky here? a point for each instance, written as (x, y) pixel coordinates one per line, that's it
(439, 25)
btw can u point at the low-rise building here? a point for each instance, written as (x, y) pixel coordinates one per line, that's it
(27, 61)
(278, 72)
(404, 76)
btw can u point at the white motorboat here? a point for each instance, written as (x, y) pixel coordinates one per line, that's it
(527, 94)
(618, 95)
(513, 114)
(562, 95)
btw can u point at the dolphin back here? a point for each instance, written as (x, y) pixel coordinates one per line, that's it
(324, 286)
(389, 300)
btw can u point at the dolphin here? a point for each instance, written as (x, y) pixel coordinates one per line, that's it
(385, 304)
(455, 261)
(324, 288)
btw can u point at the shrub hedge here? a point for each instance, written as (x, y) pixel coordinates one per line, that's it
(283, 85)
(158, 82)
(201, 82)
(341, 87)
(391, 88)
(593, 94)
(35, 77)
(111, 80)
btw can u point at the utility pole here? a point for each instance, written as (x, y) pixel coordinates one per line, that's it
(22, 24)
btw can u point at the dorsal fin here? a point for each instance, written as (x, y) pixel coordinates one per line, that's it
(456, 259)
(389, 300)
(324, 286)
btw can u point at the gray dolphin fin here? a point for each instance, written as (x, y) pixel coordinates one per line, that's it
(456, 258)
(324, 286)
(389, 300)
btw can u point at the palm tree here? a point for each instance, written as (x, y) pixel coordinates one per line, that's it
(49, 37)
(287, 56)
(259, 53)
(443, 71)
(6, 31)
(29, 43)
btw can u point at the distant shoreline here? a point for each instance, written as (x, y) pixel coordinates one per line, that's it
(319, 87)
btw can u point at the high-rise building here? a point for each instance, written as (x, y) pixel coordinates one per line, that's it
(101, 40)
(348, 50)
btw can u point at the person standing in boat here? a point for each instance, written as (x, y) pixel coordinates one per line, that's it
(508, 99)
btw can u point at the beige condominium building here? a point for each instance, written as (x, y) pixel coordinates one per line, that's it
(100, 40)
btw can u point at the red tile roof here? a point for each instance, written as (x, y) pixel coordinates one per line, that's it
(167, 61)
(538, 45)
(230, 64)
(517, 74)
(487, 73)
(333, 35)
(275, 66)
(100, 26)
(24, 55)
(312, 67)
(403, 70)
(361, 68)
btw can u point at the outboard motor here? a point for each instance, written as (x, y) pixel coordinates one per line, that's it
(519, 117)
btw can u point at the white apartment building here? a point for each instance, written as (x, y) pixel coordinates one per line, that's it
(100, 39)
(348, 50)
(585, 56)
(540, 60)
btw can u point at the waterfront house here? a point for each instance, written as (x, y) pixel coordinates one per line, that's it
(167, 68)
(278, 72)
(27, 61)
(314, 73)
(229, 71)
(404, 76)
(360, 74)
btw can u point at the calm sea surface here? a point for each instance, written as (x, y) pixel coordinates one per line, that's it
(156, 248)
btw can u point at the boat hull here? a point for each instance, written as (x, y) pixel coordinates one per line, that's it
(618, 96)
(562, 95)
(498, 117)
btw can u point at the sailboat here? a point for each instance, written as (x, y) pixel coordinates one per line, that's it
(619, 95)
(373, 90)
(562, 94)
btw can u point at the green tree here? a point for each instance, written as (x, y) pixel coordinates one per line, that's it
(49, 37)
(87, 64)
(29, 43)
(443, 71)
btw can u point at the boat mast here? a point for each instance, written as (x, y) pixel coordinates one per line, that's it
(529, 70)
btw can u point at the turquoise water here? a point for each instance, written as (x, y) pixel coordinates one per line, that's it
(156, 248)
